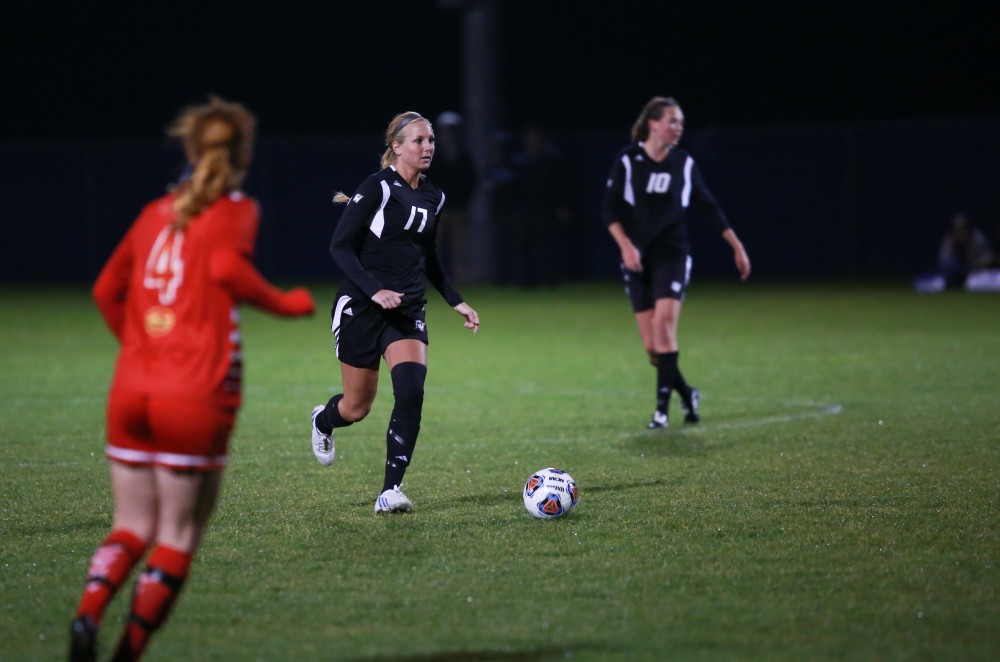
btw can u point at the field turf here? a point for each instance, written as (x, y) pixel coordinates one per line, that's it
(838, 501)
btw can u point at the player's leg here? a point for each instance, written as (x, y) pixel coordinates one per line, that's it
(356, 327)
(665, 317)
(644, 321)
(407, 362)
(192, 437)
(640, 296)
(669, 376)
(360, 385)
(355, 403)
(186, 502)
(669, 281)
(112, 563)
(134, 522)
(689, 396)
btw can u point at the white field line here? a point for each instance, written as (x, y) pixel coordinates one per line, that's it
(814, 410)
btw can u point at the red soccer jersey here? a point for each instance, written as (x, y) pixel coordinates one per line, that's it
(170, 297)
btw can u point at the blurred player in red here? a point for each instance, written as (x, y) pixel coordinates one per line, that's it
(169, 293)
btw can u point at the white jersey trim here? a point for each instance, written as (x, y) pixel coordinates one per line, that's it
(686, 193)
(164, 459)
(628, 193)
(378, 221)
(335, 325)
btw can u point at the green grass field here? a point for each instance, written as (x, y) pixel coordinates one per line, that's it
(839, 500)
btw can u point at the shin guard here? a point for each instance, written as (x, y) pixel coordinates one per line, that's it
(401, 438)
(155, 593)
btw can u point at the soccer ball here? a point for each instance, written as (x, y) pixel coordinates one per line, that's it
(550, 493)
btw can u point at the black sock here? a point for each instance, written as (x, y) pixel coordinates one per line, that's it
(401, 437)
(330, 417)
(394, 472)
(680, 385)
(666, 376)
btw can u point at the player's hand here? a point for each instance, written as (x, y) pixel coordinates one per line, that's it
(388, 299)
(743, 263)
(298, 301)
(632, 258)
(471, 316)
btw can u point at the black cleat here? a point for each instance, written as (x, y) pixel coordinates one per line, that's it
(82, 640)
(690, 407)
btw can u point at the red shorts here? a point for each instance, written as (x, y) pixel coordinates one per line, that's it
(168, 431)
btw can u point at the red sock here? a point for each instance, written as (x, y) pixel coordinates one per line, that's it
(155, 593)
(109, 568)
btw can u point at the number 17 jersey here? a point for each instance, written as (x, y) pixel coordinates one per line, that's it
(387, 239)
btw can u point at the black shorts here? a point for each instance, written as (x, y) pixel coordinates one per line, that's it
(362, 330)
(667, 279)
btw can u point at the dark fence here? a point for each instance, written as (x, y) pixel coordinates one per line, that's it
(827, 201)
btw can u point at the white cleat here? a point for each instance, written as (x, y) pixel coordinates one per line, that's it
(659, 421)
(393, 501)
(322, 443)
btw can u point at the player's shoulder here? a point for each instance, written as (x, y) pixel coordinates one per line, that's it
(632, 151)
(158, 211)
(387, 174)
(377, 181)
(428, 186)
(237, 205)
(680, 154)
(240, 202)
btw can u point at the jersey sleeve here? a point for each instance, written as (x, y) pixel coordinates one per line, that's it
(245, 222)
(435, 273)
(111, 287)
(231, 265)
(237, 274)
(615, 205)
(704, 198)
(350, 232)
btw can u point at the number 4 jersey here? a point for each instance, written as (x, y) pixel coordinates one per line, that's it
(170, 296)
(650, 199)
(386, 239)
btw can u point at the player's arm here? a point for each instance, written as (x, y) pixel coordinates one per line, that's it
(701, 193)
(237, 274)
(435, 273)
(437, 277)
(739, 253)
(111, 287)
(631, 257)
(434, 270)
(354, 223)
(704, 198)
(614, 208)
(231, 265)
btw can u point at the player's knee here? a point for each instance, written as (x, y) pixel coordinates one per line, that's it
(408, 387)
(352, 412)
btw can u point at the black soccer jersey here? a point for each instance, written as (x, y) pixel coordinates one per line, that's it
(649, 199)
(386, 239)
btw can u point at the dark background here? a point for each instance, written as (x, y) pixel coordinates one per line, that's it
(840, 136)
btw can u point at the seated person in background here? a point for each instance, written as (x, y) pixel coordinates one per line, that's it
(963, 250)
